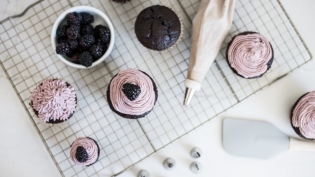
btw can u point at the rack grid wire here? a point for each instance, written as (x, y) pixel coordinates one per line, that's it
(27, 58)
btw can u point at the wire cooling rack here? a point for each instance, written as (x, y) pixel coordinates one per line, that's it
(27, 58)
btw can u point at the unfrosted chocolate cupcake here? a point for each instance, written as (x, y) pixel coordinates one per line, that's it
(303, 116)
(54, 101)
(84, 151)
(132, 94)
(249, 55)
(158, 28)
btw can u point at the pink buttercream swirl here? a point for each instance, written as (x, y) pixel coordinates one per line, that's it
(91, 148)
(249, 54)
(143, 103)
(54, 100)
(303, 116)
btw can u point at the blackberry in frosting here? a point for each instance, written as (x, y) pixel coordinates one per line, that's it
(249, 55)
(84, 151)
(54, 101)
(132, 94)
(303, 116)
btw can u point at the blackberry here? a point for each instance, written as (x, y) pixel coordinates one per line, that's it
(97, 51)
(73, 44)
(86, 29)
(61, 31)
(75, 58)
(86, 41)
(61, 40)
(81, 155)
(74, 18)
(86, 59)
(104, 35)
(79, 49)
(87, 18)
(63, 48)
(121, 1)
(70, 54)
(73, 32)
(96, 30)
(131, 91)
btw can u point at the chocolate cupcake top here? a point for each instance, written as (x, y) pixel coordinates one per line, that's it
(54, 100)
(158, 27)
(249, 54)
(303, 116)
(84, 151)
(132, 92)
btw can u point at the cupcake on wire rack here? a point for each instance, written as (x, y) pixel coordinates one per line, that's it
(249, 55)
(54, 101)
(84, 151)
(132, 94)
(158, 28)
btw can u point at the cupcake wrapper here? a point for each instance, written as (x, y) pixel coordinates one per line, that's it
(67, 121)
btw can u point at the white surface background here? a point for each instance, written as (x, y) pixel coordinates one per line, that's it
(23, 153)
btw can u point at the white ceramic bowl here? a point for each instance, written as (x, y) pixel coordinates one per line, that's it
(99, 18)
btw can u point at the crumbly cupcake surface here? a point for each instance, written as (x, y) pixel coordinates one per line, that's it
(158, 27)
(84, 151)
(303, 115)
(132, 94)
(250, 54)
(54, 100)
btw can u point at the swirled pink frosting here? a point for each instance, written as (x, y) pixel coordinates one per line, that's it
(54, 100)
(303, 116)
(91, 148)
(249, 54)
(143, 103)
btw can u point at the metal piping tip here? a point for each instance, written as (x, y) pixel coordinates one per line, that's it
(188, 95)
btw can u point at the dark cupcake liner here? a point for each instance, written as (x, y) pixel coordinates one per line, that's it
(98, 151)
(130, 116)
(297, 129)
(55, 122)
(234, 71)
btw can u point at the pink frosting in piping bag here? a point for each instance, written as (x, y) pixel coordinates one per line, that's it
(54, 100)
(91, 148)
(143, 103)
(304, 115)
(210, 27)
(249, 54)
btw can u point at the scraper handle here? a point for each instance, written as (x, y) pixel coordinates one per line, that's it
(301, 145)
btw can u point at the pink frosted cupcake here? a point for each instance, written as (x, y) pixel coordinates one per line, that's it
(132, 94)
(84, 151)
(54, 101)
(249, 55)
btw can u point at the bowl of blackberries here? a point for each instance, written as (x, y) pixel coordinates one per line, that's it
(82, 37)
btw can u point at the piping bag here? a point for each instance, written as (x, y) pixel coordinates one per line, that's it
(210, 27)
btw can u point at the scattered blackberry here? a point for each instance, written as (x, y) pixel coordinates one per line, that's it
(104, 35)
(75, 58)
(97, 51)
(73, 32)
(73, 44)
(131, 91)
(87, 18)
(86, 59)
(81, 155)
(61, 40)
(74, 18)
(61, 31)
(86, 29)
(63, 48)
(86, 41)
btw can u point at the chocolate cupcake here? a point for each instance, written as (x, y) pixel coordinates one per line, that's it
(54, 101)
(249, 55)
(84, 151)
(303, 116)
(132, 94)
(158, 28)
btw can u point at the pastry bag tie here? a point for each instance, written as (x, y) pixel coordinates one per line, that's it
(210, 27)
